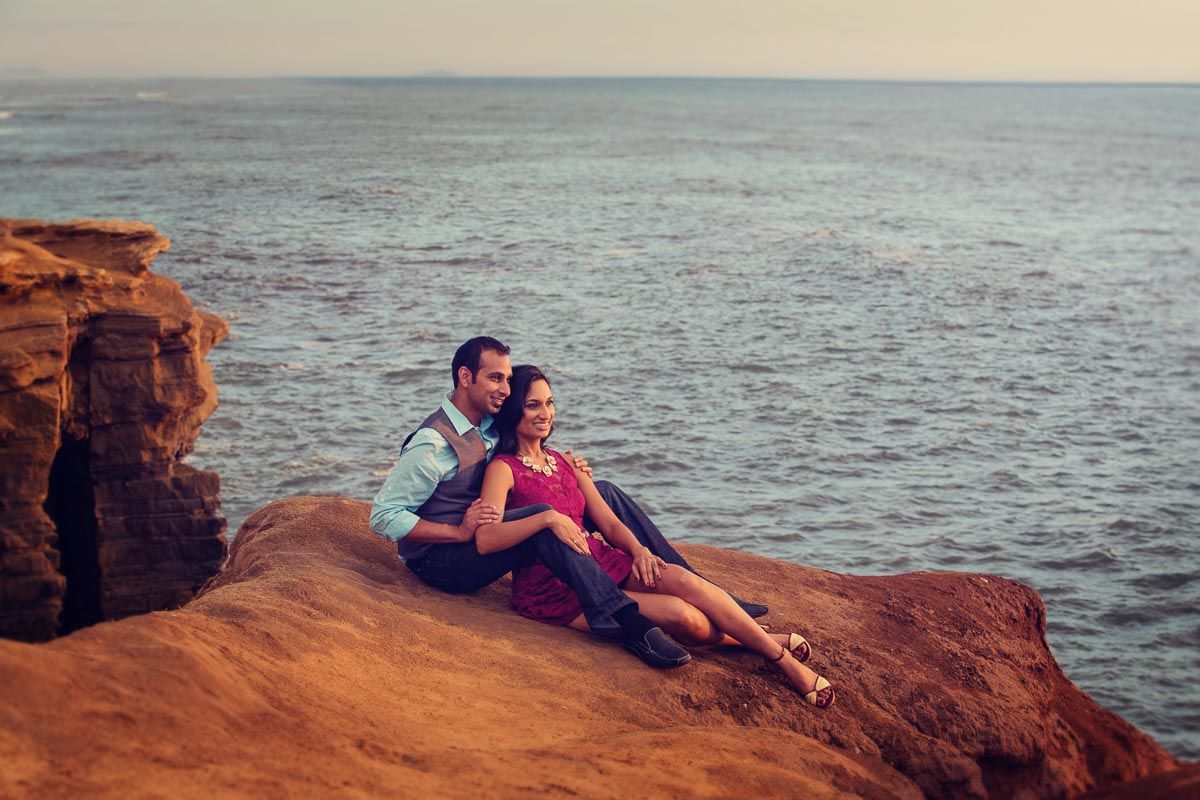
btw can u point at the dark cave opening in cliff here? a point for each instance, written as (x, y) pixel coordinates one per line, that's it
(71, 505)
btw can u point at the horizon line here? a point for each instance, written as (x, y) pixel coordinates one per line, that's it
(34, 74)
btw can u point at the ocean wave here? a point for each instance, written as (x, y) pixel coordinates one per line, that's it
(819, 501)
(1097, 559)
(1165, 582)
(315, 462)
(1184, 638)
(402, 373)
(1130, 616)
(882, 454)
(485, 262)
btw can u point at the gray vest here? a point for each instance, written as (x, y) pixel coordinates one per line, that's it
(450, 499)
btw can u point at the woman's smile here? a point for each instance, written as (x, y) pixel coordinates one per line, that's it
(537, 415)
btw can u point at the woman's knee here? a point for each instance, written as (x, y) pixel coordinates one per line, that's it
(681, 582)
(690, 623)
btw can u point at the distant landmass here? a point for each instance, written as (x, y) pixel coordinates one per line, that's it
(437, 73)
(24, 72)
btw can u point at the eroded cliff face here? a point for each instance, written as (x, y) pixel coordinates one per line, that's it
(103, 388)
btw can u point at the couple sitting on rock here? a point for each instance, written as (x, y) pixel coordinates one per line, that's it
(445, 506)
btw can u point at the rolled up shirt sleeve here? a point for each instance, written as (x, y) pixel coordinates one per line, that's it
(417, 473)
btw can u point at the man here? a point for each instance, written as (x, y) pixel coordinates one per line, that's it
(430, 507)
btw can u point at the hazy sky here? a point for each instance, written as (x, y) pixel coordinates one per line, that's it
(1088, 40)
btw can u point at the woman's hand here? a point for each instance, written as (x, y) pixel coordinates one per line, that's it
(568, 532)
(478, 513)
(647, 567)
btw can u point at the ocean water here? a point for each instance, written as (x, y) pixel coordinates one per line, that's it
(875, 328)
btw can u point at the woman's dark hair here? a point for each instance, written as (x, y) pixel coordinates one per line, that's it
(510, 413)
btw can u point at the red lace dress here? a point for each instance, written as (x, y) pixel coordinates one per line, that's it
(536, 592)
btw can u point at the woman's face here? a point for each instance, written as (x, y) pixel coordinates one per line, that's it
(537, 413)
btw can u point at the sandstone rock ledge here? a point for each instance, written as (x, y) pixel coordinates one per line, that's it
(314, 663)
(103, 387)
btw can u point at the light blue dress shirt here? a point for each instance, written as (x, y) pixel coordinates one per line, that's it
(426, 461)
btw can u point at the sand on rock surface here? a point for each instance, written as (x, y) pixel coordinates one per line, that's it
(315, 663)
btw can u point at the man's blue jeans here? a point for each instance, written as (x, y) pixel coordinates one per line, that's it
(459, 568)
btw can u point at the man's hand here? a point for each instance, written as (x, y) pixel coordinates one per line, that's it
(580, 463)
(478, 513)
(568, 532)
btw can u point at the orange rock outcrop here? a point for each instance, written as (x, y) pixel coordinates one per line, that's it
(103, 388)
(315, 664)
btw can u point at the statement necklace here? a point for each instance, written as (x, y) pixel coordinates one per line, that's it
(550, 468)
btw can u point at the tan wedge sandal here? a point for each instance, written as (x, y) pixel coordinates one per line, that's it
(813, 698)
(796, 642)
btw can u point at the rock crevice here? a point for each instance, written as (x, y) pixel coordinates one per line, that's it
(103, 388)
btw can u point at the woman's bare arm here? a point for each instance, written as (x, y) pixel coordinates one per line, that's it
(646, 566)
(497, 483)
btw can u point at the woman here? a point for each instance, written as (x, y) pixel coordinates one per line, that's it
(689, 608)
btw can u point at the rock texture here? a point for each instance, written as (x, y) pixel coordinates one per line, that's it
(103, 387)
(1180, 784)
(314, 663)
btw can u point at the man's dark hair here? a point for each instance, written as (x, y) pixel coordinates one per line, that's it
(509, 415)
(468, 353)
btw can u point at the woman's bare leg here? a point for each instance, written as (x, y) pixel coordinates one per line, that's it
(729, 619)
(728, 641)
(687, 624)
(694, 630)
(682, 621)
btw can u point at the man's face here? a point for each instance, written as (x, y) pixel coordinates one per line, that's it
(486, 392)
